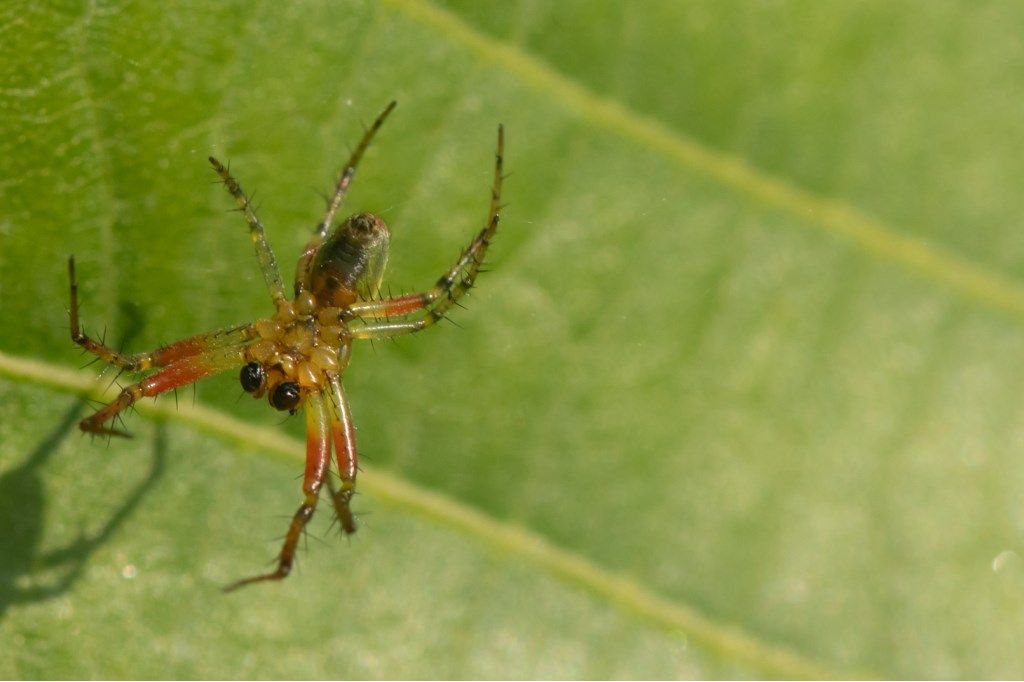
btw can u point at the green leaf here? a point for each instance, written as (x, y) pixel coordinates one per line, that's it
(739, 396)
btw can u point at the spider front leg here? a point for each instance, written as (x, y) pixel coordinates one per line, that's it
(347, 173)
(264, 254)
(448, 289)
(179, 350)
(180, 373)
(318, 454)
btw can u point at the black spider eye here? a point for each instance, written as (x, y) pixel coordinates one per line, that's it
(252, 377)
(285, 396)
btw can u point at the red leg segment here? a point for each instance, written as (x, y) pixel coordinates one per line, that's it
(194, 345)
(344, 434)
(180, 373)
(318, 455)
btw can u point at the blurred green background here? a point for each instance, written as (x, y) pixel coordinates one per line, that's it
(740, 396)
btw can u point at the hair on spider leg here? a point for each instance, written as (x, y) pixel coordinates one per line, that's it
(94, 403)
(103, 336)
(306, 535)
(63, 327)
(361, 517)
(451, 321)
(90, 363)
(271, 562)
(279, 517)
(285, 416)
(120, 421)
(296, 566)
(117, 376)
(121, 346)
(237, 209)
(323, 195)
(366, 128)
(335, 521)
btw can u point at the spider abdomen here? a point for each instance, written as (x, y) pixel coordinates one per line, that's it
(349, 265)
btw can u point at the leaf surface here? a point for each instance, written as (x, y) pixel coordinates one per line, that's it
(738, 396)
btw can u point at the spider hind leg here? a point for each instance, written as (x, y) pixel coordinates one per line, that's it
(318, 454)
(343, 433)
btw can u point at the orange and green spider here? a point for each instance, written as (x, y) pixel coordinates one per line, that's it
(296, 357)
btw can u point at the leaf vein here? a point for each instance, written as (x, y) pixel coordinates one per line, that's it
(622, 592)
(840, 219)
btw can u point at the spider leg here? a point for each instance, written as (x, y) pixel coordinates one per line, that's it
(347, 173)
(185, 371)
(268, 264)
(179, 350)
(344, 434)
(448, 289)
(318, 455)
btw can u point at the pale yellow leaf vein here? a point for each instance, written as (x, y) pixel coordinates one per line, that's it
(623, 592)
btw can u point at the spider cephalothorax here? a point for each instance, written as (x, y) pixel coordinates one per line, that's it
(296, 351)
(296, 356)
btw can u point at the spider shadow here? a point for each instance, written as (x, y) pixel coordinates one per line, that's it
(23, 510)
(24, 567)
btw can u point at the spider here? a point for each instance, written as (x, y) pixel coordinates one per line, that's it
(296, 357)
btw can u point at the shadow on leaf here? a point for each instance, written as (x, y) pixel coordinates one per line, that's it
(25, 571)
